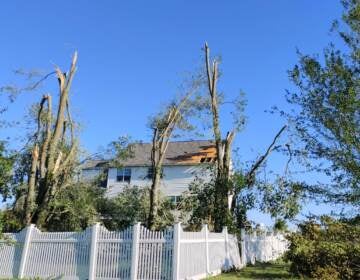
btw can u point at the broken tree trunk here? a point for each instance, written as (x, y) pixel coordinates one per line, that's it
(163, 129)
(52, 155)
(223, 149)
(30, 197)
(154, 192)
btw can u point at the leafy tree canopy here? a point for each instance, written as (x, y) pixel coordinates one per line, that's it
(326, 115)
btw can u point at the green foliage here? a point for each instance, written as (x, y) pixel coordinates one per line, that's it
(120, 149)
(131, 206)
(330, 247)
(198, 204)
(280, 199)
(74, 208)
(11, 221)
(3, 223)
(280, 225)
(326, 115)
(80, 205)
(6, 164)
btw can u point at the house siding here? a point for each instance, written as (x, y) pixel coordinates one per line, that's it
(175, 181)
(90, 174)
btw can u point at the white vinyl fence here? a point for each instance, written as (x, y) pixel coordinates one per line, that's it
(262, 247)
(135, 253)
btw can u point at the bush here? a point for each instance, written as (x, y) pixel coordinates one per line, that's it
(74, 208)
(131, 206)
(329, 249)
(10, 221)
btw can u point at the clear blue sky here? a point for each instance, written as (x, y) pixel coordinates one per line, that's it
(132, 55)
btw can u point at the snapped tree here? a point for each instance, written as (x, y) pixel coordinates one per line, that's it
(225, 195)
(53, 151)
(163, 126)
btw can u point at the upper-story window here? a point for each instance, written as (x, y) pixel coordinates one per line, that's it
(123, 175)
(150, 173)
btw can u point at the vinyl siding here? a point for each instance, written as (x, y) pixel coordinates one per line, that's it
(90, 174)
(175, 181)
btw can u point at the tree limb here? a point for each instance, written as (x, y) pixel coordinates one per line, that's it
(250, 175)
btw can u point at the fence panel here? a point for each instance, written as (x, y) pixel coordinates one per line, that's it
(58, 254)
(217, 252)
(207, 253)
(234, 252)
(135, 253)
(114, 254)
(192, 254)
(264, 247)
(155, 254)
(10, 254)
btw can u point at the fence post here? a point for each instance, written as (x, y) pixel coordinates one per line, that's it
(93, 251)
(176, 251)
(227, 252)
(243, 247)
(207, 249)
(135, 251)
(25, 250)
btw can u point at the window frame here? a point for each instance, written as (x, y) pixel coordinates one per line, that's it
(123, 175)
(150, 173)
(175, 199)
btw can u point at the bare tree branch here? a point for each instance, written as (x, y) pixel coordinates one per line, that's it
(250, 175)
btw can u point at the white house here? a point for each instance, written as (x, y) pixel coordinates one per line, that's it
(183, 161)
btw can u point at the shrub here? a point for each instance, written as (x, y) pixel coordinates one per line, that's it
(329, 249)
(325, 273)
(131, 206)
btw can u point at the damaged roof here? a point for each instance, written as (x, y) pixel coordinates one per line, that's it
(177, 153)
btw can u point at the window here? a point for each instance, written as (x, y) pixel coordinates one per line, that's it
(150, 173)
(175, 199)
(123, 175)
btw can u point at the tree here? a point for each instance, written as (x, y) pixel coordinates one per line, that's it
(51, 151)
(326, 112)
(75, 207)
(163, 126)
(173, 118)
(281, 199)
(225, 195)
(132, 205)
(223, 149)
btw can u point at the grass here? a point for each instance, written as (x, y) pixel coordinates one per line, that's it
(278, 270)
